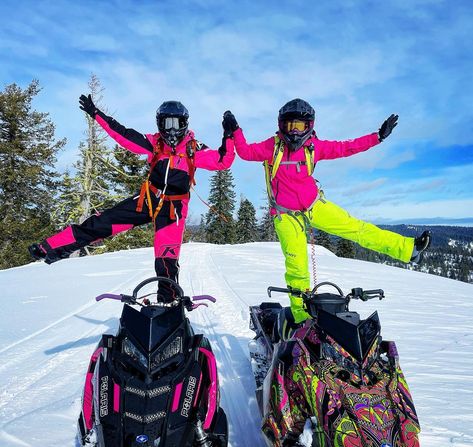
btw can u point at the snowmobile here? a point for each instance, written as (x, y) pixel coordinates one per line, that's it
(331, 381)
(154, 383)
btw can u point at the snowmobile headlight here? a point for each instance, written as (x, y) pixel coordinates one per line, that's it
(132, 351)
(172, 349)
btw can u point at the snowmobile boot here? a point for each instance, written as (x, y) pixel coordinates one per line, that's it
(37, 252)
(421, 243)
(40, 253)
(286, 325)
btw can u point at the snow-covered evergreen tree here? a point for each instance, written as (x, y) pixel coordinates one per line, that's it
(266, 226)
(246, 226)
(219, 223)
(28, 179)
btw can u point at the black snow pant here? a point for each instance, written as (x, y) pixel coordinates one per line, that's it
(169, 231)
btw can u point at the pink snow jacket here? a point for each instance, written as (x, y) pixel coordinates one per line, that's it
(172, 169)
(292, 186)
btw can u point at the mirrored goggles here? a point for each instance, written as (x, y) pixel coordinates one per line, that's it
(171, 122)
(295, 125)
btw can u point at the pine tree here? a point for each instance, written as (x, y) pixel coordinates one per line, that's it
(266, 227)
(90, 189)
(219, 224)
(322, 238)
(98, 183)
(345, 248)
(246, 227)
(197, 234)
(28, 180)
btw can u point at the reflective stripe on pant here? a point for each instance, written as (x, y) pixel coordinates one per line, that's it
(328, 217)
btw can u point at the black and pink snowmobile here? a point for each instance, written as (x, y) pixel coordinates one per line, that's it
(332, 381)
(155, 382)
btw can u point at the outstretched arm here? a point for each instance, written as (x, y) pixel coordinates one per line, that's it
(216, 160)
(130, 139)
(326, 150)
(251, 152)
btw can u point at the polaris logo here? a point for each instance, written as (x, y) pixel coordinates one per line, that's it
(104, 396)
(142, 439)
(188, 399)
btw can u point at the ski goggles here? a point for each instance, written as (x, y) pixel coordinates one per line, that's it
(295, 125)
(174, 122)
(171, 122)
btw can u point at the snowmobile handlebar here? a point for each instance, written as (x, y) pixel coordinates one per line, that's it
(365, 295)
(133, 298)
(356, 293)
(173, 284)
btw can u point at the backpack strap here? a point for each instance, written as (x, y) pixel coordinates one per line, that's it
(309, 158)
(191, 147)
(270, 171)
(277, 156)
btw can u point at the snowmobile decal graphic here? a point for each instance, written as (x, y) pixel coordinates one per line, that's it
(103, 396)
(353, 394)
(189, 395)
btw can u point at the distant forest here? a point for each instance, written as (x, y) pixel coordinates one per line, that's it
(450, 255)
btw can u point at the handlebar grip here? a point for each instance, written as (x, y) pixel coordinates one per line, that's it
(375, 293)
(277, 289)
(110, 296)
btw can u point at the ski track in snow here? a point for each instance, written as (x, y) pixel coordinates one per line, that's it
(51, 325)
(218, 324)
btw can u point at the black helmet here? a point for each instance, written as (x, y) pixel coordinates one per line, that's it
(296, 122)
(172, 120)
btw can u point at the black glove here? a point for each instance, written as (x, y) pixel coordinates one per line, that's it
(229, 124)
(387, 127)
(88, 106)
(222, 150)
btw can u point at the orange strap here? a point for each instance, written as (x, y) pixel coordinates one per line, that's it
(146, 187)
(169, 198)
(141, 198)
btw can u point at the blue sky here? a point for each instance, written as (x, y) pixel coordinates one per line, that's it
(355, 61)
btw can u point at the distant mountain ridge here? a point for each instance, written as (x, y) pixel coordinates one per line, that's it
(463, 221)
(450, 255)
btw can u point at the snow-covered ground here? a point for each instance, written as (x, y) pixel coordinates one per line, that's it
(51, 323)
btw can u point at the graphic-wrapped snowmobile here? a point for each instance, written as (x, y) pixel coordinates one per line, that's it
(154, 383)
(333, 381)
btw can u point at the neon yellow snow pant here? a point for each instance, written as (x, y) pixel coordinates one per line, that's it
(328, 217)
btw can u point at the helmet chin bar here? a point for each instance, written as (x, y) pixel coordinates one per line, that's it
(295, 141)
(173, 137)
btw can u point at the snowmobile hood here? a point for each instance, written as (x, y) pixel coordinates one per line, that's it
(355, 335)
(152, 325)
